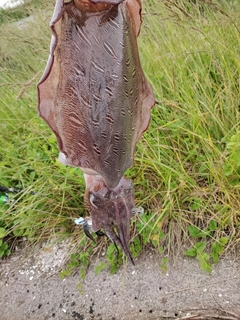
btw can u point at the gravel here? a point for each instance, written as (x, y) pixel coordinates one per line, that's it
(31, 288)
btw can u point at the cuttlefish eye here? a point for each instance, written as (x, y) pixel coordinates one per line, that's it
(94, 200)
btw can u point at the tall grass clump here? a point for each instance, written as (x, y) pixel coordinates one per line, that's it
(189, 157)
(187, 167)
(50, 194)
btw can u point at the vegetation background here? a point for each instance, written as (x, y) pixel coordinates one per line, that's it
(187, 165)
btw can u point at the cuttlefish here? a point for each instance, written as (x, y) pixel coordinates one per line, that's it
(95, 98)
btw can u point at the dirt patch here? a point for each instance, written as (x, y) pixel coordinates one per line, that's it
(30, 288)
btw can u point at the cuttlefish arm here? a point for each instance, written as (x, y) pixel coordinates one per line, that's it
(95, 98)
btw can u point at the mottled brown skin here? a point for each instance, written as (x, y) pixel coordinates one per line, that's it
(90, 6)
(96, 99)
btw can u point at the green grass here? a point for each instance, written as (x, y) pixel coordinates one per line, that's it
(187, 168)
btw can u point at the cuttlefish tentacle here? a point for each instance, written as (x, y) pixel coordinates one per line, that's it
(87, 228)
(95, 98)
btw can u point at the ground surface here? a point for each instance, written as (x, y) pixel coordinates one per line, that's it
(30, 288)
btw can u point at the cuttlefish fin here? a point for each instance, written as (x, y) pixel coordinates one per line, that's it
(135, 10)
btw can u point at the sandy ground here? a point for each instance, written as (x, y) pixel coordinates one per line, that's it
(30, 288)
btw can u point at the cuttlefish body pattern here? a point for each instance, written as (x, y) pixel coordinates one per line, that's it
(95, 98)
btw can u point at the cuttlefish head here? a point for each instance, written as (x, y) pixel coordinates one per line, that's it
(111, 210)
